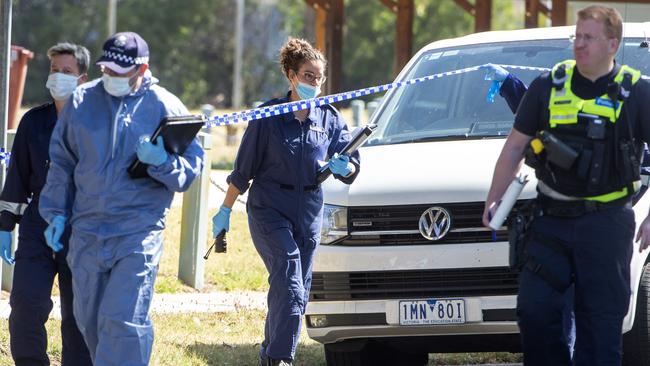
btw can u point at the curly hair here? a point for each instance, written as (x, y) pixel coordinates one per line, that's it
(295, 52)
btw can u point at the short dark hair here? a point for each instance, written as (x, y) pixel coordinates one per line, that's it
(295, 52)
(80, 53)
(610, 18)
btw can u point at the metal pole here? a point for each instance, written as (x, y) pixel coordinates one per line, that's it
(239, 49)
(5, 51)
(112, 16)
(195, 223)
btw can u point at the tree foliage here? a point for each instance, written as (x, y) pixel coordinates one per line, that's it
(192, 41)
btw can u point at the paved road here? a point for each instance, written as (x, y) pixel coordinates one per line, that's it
(215, 302)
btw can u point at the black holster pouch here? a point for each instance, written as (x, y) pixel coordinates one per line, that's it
(531, 159)
(630, 164)
(558, 153)
(518, 235)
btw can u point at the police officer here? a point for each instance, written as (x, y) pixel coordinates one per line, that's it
(512, 89)
(281, 155)
(116, 221)
(581, 126)
(35, 263)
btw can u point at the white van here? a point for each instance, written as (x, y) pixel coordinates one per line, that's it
(379, 273)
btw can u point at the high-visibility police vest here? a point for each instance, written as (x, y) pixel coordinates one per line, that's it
(607, 164)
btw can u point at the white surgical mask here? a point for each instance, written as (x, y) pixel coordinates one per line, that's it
(116, 86)
(61, 85)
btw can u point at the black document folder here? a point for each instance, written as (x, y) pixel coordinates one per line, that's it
(177, 132)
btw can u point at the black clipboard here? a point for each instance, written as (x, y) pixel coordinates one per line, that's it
(177, 132)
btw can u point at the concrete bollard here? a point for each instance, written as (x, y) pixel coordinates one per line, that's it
(207, 110)
(358, 107)
(371, 107)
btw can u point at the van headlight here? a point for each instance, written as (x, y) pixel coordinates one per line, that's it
(335, 224)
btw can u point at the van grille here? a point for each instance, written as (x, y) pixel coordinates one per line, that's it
(413, 284)
(398, 225)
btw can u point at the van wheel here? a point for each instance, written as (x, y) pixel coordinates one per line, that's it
(347, 353)
(636, 342)
(362, 352)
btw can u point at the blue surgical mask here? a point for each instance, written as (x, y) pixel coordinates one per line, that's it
(306, 91)
(116, 86)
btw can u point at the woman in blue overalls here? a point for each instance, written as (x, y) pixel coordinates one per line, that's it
(281, 156)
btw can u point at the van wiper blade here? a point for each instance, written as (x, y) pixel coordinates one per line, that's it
(432, 138)
(439, 138)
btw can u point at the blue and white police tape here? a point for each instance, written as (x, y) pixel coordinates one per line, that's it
(4, 156)
(277, 109)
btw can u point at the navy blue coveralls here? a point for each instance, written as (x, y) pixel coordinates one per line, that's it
(280, 154)
(596, 249)
(36, 263)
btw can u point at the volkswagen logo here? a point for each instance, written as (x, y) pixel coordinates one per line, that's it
(435, 223)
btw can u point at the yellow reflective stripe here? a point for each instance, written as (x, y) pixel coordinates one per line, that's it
(636, 74)
(568, 119)
(608, 197)
(612, 196)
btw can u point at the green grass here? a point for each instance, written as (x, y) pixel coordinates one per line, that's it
(239, 269)
(226, 339)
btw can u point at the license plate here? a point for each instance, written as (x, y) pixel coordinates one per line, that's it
(431, 312)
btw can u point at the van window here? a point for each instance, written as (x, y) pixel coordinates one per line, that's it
(454, 107)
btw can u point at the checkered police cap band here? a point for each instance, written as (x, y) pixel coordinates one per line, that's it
(125, 49)
(122, 58)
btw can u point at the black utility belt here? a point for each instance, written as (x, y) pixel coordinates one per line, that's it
(291, 187)
(551, 207)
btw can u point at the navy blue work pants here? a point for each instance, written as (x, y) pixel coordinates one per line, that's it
(289, 260)
(597, 261)
(34, 271)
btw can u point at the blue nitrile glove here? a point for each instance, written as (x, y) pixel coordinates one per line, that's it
(497, 74)
(54, 231)
(5, 247)
(150, 153)
(221, 221)
(340, 164)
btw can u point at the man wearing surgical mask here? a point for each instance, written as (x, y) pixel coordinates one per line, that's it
(35, 263)
(116, 222)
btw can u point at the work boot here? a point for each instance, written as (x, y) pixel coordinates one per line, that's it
(272, 362)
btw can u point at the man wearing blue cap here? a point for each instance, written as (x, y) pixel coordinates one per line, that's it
(117, 222)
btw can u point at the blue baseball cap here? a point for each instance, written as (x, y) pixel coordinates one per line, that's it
(123, 51)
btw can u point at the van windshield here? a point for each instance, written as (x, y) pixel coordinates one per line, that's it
(454, 107)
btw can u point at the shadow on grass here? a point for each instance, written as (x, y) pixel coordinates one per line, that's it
(224, 354)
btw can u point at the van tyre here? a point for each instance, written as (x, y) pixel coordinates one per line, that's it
(636, 342)
(361, 353)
